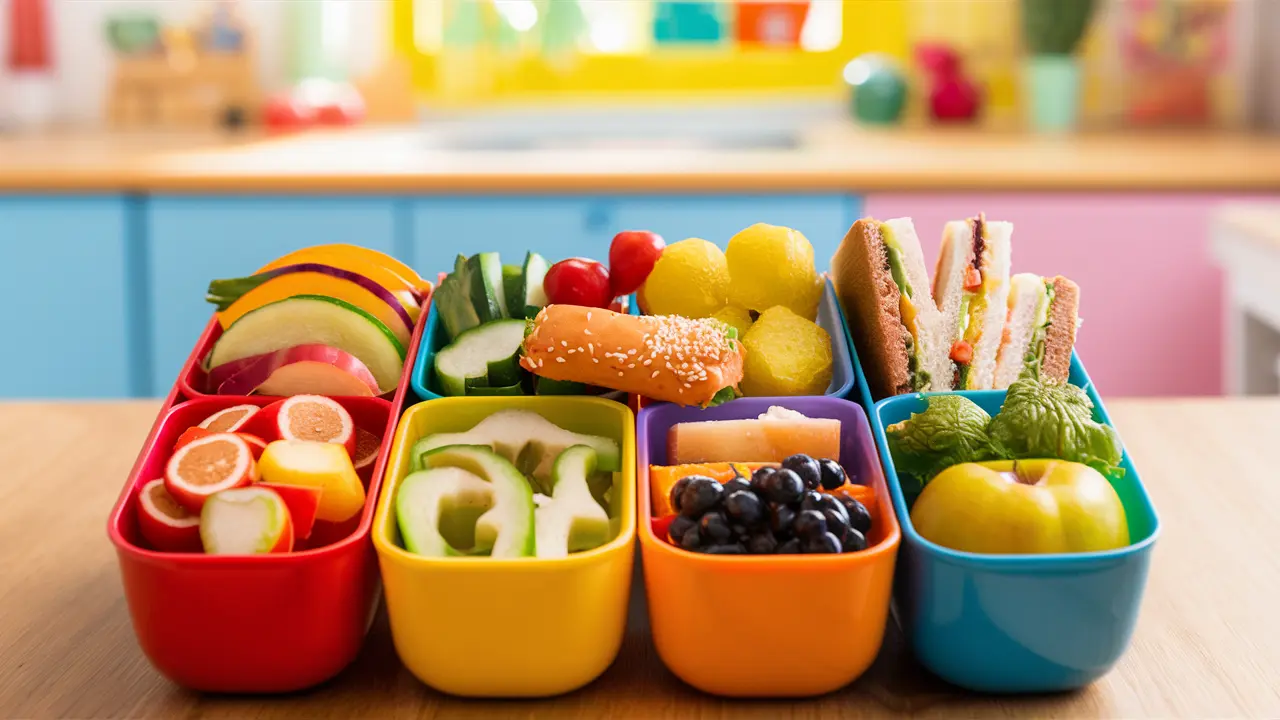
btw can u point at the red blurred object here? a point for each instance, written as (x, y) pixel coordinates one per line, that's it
(952, 96)
(775, 24)
(283, 112)
(29, 35)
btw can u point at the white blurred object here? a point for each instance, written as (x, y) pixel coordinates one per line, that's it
(29, 99)
(1246, 244)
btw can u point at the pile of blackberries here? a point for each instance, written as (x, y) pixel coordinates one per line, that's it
(778, 511)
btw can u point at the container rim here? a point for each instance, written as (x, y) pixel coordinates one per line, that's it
(888, 544)
(1061, 562)
(198, 558)
(383, 516)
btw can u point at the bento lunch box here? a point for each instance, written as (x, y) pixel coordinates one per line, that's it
(252, 624)
(716, 619)
(1018, 623)
(484, 627)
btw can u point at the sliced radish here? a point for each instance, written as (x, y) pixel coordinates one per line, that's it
(208, 465)
(164, 524)
(367, 447)
(306, 417)
(230, 419)
(246, 521)
(303, 503)
(256, 444)
(299, 370)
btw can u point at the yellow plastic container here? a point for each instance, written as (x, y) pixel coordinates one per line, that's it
(480, 627)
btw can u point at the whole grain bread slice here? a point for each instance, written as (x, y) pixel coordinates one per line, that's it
(864, 284)
(1060, 336)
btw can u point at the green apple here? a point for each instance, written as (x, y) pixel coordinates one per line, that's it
(1021, 507)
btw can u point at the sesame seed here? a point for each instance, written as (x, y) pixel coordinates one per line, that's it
(688, 385)
(684, 366)
(560, 359)
(586, 331)
(655, 373)
(647, 363)
(539, 362)
(632, 351)
(572, 351)
(591, 348)
(551, 348)
(579, 348)
(595, 360)
(631, 366)
(620, 373)
(588, 316)
(564, 343)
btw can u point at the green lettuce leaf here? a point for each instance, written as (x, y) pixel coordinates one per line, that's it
(1051, 420)
(723, 396)
(952, 430)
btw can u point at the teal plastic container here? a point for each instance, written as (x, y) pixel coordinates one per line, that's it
(1017, 623)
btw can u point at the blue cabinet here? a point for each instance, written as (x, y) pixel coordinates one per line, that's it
(556, 227)
(561, 227)
(192, 240)
(68, 325)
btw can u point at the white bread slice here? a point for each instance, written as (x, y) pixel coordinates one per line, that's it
(1026, 295)
(930, 334)
(956, 255)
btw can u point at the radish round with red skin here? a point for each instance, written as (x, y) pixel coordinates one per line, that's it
(163, 523)
(299, 370)
(306, 417)
(367, 447)
(256, 444)
(229, 419)
(209, 465)
(246, 521)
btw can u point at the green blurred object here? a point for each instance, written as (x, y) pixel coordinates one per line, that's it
(1055, 27)
(1053, 92)
(307, 53)
(134, 34)
(879, 89)
(563, 24)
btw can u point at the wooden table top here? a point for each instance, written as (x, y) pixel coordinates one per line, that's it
(834, 158)
(1207, 643)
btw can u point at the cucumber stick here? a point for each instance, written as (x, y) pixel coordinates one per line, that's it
(532, 297)
(485, 356)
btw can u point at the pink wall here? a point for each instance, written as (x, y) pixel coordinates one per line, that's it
(1151, 296)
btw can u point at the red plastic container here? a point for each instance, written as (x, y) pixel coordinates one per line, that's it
(256, 624)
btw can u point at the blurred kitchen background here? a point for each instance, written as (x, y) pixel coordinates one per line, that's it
(148, 146)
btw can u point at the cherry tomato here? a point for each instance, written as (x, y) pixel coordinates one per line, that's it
(632, 255)
(578, 281)
(284, 113)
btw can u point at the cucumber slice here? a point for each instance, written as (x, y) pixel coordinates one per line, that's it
(506, 527)
(501, 391)
(466, 501)
(547, 386)
(527, 439)
(573, 521)
(484, 272)
(314, 320)
(512, 277)
(453, 302)
(533, 297)
(491, 352)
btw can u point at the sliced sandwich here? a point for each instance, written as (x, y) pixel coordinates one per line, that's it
(1040, 329)
(971, 287)
(880, 276)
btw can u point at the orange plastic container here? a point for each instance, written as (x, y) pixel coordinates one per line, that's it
(775, 625)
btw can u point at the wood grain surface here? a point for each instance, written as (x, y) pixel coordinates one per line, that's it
(827, 158)
(1207, 644)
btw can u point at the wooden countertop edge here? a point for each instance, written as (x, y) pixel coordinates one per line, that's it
(764, 182)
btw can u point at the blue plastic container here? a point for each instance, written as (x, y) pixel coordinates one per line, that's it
(1018, 623)
(830, 318)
